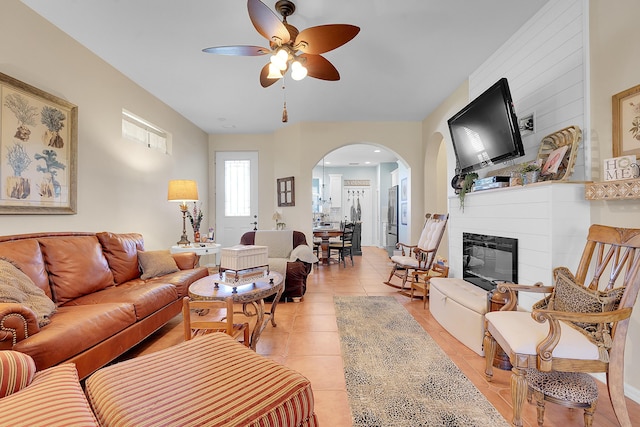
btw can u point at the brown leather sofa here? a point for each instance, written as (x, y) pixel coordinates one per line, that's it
(295, 284)
(103, 306)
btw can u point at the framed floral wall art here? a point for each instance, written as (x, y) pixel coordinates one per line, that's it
(38, 150)
(626, 122)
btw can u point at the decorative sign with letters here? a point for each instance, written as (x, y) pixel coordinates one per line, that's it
(619, 168)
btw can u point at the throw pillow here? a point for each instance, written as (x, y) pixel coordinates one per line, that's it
(573, 297)
(16, 371)
(156, 263)
(17, 287)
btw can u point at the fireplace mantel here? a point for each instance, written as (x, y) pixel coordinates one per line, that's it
(549, 219)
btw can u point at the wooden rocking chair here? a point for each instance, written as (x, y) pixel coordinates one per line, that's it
(418, 259)
(578, 337)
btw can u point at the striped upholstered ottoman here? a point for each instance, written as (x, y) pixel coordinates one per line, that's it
(208, 381)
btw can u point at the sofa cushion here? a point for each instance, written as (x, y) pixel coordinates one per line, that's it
(74, 329)
(17, 287)
(190, 384)
(156, 263)
(16, 371)
(54, 398)
(121, 251)
(26, 255)
(146, 297)
(76, 266)
(180, 279)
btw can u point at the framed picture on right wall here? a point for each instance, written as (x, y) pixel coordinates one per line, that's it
(626, 122)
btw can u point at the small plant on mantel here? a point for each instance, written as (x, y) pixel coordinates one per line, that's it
(465, 188)
(530, 167)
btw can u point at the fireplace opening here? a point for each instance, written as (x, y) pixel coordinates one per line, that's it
(487, 260)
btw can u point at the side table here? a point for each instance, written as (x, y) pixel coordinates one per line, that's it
(495, 301)
(200, 249)
(213, 287)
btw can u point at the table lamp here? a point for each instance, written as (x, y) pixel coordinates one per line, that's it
(276, 217)
(183, 191)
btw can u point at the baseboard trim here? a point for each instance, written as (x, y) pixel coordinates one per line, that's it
(629, 391)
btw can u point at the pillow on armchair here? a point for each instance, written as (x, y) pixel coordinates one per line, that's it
(570, 296)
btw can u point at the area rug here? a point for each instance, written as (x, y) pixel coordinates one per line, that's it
(398, 376)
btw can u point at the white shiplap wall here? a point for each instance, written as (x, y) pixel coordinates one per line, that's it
(546, 64)
(546, 218)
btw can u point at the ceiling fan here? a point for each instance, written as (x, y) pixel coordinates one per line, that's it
(289, 48)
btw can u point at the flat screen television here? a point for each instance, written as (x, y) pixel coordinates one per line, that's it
(486, 131)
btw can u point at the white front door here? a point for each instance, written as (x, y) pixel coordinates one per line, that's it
(236, 195)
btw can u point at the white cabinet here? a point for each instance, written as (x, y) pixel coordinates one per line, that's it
(335, 190)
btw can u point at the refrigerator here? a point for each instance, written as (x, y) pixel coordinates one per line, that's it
(392, 220)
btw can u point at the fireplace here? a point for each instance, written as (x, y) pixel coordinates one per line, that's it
(489, 259)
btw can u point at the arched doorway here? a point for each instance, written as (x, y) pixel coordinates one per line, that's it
(352, 184)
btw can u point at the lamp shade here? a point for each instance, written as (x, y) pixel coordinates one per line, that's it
(182, 190)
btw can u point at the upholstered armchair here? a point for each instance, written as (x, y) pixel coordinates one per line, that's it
(581, 326)
(294, 258)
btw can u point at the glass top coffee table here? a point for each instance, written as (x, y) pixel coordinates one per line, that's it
(250, 295)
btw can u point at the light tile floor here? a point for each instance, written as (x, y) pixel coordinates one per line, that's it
(306, 339)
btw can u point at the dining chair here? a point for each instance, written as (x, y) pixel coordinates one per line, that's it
(344, 245)
(580, 327)
(418, 258)
(211, 316)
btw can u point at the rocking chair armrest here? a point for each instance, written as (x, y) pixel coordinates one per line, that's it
(402, 247)
(513, 288)
(545, 347)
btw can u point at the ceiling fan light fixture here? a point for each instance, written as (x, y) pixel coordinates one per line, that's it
(280, 59)
(298, 71)
(274, 72)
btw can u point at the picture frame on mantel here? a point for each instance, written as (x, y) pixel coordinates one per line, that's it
(286, 191)
(38, 150)
(626, 122)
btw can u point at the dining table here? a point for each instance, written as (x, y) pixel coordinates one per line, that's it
(325, 234)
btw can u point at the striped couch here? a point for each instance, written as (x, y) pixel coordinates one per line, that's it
(208, 381)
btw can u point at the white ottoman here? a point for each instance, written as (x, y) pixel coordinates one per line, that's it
(459, 307)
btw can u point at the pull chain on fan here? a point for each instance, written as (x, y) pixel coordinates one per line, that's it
(285, 115)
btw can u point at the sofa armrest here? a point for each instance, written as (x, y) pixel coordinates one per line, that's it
(186, 260)
(17, 322)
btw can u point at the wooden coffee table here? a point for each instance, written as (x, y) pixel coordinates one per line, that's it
(251, 296)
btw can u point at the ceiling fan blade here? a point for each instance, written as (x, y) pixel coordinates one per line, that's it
(324, 38)
(320, 68)
(266, 22)
(264, 81)
(238, 50)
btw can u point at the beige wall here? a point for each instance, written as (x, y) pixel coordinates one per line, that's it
(614, 67)
(121, 186)
(295, 150)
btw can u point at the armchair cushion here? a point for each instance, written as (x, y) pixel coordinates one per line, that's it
(16, 371)
(53, 399)
(156, 263)
(507, 328)
(303, 253)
